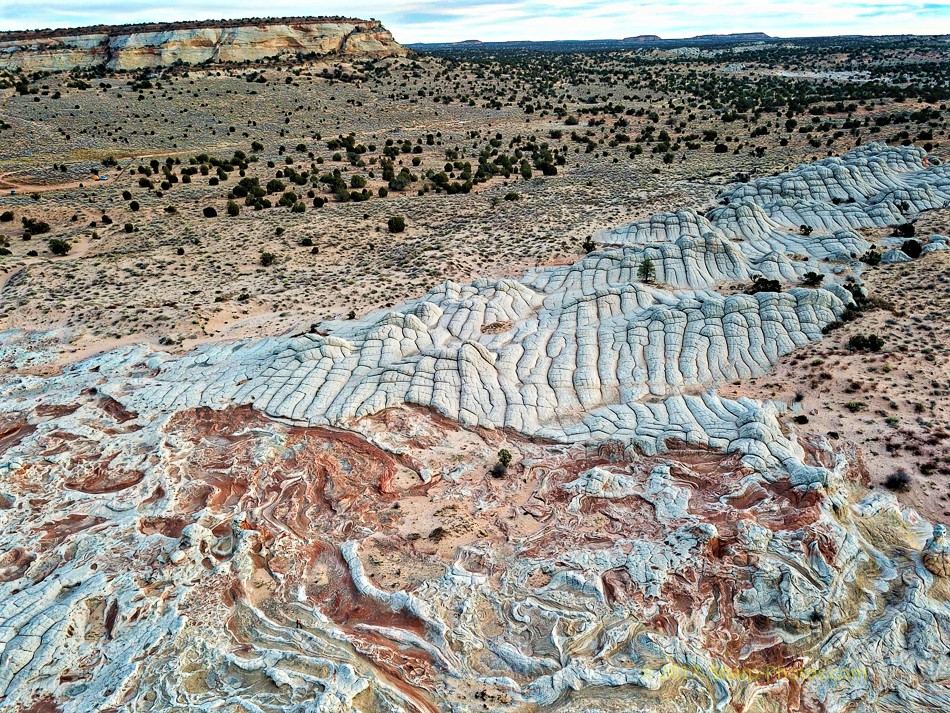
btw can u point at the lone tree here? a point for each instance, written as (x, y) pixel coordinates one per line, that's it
(912, 248)
(504, 457)
(646, 272)
(58, 246)
(396, 224)
(905, 230)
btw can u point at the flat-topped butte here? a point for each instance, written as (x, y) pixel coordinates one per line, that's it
(130, 47)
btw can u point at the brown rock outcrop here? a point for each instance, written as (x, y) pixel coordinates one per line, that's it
(129, 47)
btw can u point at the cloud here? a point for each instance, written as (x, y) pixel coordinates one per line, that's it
(450, 20)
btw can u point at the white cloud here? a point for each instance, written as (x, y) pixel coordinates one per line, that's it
(449, 20)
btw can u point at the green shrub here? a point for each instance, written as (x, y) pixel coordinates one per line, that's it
(396, 224)
(906, 230)
(32, 226)
(58, 246)
(898, 482)
(268, 259)
(864, 343)
(912, 248)
(760, 283)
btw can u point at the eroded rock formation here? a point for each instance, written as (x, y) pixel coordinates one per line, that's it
(129, 47)
(310, 523)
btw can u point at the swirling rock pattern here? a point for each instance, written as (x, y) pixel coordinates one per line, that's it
(309, 523)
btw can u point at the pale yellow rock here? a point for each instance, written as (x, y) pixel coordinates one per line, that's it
(936, 553)
(122, 48)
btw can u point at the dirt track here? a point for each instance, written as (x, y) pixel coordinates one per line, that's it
(7, 184)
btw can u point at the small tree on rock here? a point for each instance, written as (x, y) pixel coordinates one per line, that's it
(646, 272)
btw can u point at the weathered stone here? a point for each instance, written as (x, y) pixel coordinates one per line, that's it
(936, 553)
(130, 47)
(229, 541)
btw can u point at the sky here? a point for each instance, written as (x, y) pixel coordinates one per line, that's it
(493, 20)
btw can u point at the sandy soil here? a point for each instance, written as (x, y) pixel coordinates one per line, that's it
(180, 279)
(895, 403)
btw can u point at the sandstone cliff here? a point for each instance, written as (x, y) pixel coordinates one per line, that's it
(128, 47)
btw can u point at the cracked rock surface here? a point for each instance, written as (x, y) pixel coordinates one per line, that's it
(309, 523)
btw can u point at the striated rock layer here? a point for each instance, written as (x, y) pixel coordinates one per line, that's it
(308, 523)
(129, 47)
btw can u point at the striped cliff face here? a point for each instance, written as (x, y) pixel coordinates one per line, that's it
(132, 47)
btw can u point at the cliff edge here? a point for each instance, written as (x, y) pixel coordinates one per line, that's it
(129, 47)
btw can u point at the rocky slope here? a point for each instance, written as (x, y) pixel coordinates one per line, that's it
(308, 523)
(128, 47)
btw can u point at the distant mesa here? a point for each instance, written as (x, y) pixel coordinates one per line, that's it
(130, 47)
(708, 38)
(597, 44)
(735, 36)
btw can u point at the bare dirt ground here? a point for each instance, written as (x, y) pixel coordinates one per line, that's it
(628, 134)
(895, 403)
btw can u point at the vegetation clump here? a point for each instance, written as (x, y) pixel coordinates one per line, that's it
(58, 246)
(760, 283)
(912, 248)
(646, 272)
(905, 230)
(396, 224)
(865, 343)
(899, 482)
